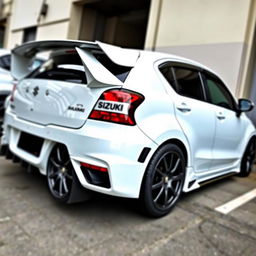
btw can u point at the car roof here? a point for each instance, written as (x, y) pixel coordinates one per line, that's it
(4, 51)
(168, 57)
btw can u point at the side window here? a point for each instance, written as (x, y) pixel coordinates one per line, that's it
(189, 83)
(5, 62)
(218, 94)
(168, 73)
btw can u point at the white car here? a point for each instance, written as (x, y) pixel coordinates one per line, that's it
(125, 122)
(6, 81)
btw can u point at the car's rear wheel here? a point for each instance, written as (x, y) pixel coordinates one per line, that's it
(248, 159)
(163, 181)
(60, 173)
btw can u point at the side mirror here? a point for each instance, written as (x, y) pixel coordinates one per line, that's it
(245, 105)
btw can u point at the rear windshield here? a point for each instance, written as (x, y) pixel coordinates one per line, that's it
(68, 68)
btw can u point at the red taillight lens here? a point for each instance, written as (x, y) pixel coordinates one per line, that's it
(13, 91)
(117, 106)
(94, 167)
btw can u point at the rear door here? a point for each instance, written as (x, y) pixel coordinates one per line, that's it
(195, 116)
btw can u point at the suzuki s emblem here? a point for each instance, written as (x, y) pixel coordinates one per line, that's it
(35, 90)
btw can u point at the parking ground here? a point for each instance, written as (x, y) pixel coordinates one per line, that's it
(31, 223)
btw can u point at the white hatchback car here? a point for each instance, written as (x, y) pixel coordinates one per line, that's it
(124, 122)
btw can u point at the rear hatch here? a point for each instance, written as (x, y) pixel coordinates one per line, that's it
(64, 90)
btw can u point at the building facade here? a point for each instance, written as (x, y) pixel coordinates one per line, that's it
(220, 34)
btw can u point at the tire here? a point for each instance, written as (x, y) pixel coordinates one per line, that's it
(248, 159)
(60, 173)
(163, 181)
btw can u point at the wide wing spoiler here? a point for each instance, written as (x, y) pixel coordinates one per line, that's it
(97, 75)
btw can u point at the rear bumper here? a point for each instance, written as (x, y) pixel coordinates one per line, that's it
(115, 147)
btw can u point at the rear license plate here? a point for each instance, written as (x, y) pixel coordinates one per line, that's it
(30, 143)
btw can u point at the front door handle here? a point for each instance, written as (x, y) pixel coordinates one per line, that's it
(183, 107)
(220, 116)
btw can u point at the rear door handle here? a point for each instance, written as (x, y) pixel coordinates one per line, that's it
(183, 107)
(220, 116)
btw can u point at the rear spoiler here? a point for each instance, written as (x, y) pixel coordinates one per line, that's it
(97, 75)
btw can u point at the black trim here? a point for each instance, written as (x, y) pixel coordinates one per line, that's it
(143, 155)
(191, 183)
(96, 178)
(3, 149)
(180, 65)
(220, 83)
(205, 182)
(173, 65)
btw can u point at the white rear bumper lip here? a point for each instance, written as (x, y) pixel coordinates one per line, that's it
(105, 144)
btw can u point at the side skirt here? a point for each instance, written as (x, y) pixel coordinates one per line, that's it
(205, 182)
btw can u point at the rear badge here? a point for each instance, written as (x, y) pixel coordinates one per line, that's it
(77, 108)
(112, 106)
(35, 90)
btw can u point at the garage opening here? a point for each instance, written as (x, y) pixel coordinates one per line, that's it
(118, 22)
(2, 32)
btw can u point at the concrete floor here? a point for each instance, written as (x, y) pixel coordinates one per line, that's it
(32, 223)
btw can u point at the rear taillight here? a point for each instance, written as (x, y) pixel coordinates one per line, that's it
(117, 106)
(13, 91)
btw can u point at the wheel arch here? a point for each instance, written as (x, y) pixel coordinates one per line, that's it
(178, 143)
(251, 137)
(175, 141)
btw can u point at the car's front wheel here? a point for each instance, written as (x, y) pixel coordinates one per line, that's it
(248, 159)
(163, 181)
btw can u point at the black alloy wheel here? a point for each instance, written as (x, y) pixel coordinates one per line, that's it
(60, 173)
(248, 159)
(164, 181)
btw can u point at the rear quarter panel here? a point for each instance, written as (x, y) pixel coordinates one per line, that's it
(155, 116)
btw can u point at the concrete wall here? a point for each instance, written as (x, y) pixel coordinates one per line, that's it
(25, 14)
(5, 13)
(211, 32)
(53, 31)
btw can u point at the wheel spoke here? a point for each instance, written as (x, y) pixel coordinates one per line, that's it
(165, 164)
(173, 191)
(157, 170)
(157, 185)
(54, 163)
(52, 175)
(159, 194)
(65, 185)
(69, 176)
(61, 186)
(175, 166)
(170, 165)
(177, 177)
(252, 154)
(58, 155)
(66, 163)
